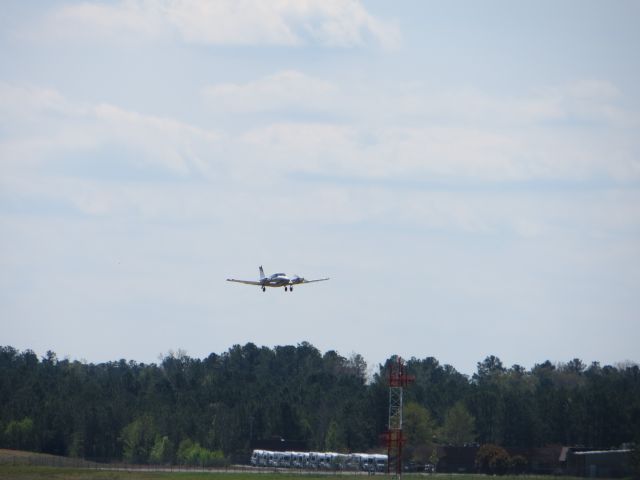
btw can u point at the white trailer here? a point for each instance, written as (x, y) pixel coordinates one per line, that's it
(320, 460)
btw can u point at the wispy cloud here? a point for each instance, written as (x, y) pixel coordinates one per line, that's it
(581, 101)
(441, 153)
(45, 124)
(281, 91)
(47, 128)
(572, 132)
(329, 23)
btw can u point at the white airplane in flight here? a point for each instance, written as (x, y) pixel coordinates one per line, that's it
(277, 280)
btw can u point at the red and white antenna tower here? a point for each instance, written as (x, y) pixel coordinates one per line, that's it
(398, 379)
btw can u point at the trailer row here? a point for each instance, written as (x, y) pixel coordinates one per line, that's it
(367, 462)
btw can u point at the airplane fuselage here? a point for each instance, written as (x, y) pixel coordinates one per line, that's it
(280, 280)
(276, 280)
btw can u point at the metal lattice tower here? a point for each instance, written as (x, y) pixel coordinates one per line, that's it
(398, 379)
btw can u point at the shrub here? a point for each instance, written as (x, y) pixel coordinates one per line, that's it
(192, 453)
(162, 451)
(517, 464)
(492, 459)
(20, 434)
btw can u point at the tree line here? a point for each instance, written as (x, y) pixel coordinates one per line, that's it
(211, 410)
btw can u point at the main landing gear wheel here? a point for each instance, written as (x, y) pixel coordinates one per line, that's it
(285, 289)
(264, 289)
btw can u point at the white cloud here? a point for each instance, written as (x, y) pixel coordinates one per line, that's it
(417, 104)
(44, 124)
(332, 23)
(357, 173)
(231, 22)
(18, 101)
(283, 90)
(421, 134)
(582, 100)
(176, 146)
(432, 153)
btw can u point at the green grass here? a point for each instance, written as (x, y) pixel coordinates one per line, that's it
(22, 472)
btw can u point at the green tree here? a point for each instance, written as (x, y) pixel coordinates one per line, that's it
(334, 441)
(417, 424)
(459, 426)
(418, 428)
(487, 401)
(76, 449)
(490, 366)
(138, 439)
(192, 453)
(437, 387)
(224, 402)
(162, 451)
(20, 434)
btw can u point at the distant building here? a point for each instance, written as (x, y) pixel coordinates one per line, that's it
(553, 459)
(463, 459)
(544, 460)
(599, 463)
(456, 459)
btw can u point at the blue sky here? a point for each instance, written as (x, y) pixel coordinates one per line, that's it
(467, 173)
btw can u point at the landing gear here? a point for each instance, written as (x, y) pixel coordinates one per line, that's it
(264, 289)
(291, 288)
(285, 289)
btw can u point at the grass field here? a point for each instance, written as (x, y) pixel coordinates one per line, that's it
(18, 465)
(9, 472)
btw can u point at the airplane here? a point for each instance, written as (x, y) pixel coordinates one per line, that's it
(277, 280)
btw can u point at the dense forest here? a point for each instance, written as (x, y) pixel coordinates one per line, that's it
(217, 407)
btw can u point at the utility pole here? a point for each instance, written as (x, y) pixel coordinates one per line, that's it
(398, 379)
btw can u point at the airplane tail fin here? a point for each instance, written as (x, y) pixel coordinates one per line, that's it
(261, 273)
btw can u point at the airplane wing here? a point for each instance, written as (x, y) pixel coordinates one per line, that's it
(317, 280)
(248, 282)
